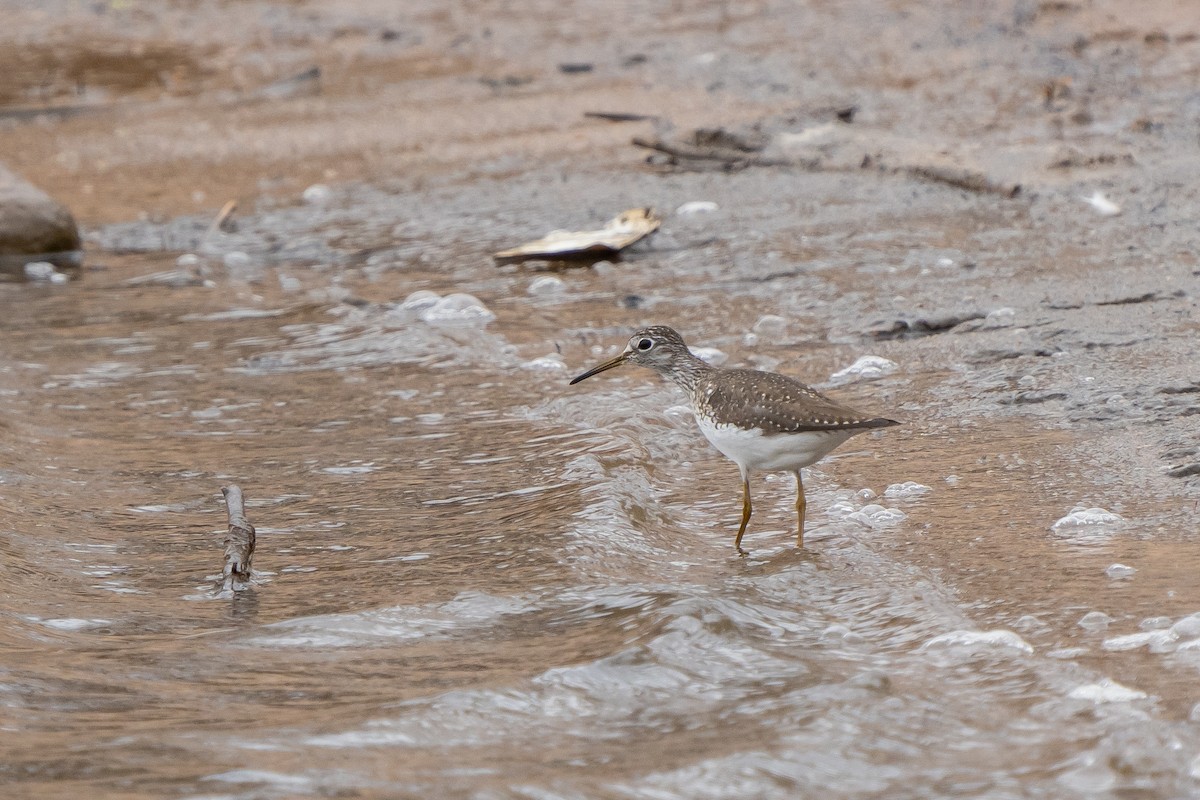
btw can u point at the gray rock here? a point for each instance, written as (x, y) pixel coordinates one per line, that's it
(34, 224)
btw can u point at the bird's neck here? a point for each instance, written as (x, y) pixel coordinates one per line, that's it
(685, 371)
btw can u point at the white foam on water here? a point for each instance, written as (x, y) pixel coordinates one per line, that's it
(1158, 641)
(1187, 627)
(295, 783)
(71, 623)
(458, 309)
(909, 490)
(317, 194)
(547, 363)
(465, 614)
(1106, 690)
(874, 515)
(353, 469)
(420, 300)
(997, 638)
(1082, 516)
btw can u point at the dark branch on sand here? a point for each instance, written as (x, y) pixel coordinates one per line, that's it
(963, 178)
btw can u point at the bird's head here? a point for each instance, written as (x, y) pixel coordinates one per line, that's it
(657, 347)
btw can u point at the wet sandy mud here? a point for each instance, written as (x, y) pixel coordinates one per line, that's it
(474, 581)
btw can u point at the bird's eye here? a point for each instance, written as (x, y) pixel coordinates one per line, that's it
(645, 344)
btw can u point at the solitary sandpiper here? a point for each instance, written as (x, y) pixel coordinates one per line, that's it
(759, 420)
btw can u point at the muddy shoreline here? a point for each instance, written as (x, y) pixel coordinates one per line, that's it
(1043, 347)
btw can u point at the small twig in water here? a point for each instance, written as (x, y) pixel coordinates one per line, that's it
(239, 542)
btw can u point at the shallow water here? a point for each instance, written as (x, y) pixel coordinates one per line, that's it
(476, 581)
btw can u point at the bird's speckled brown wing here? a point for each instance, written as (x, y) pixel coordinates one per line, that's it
(775, 403)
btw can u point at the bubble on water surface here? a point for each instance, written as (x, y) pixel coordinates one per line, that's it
(697, 207)
(1082, 516)
(1187, 627)
(864, 369)
(317, 194)
(546, 285)
(770, 325)
(43, 271)
(1119, 571)
(710, 355)
(420, 300)
(871, 516)
(1094, 621)
(839, 632)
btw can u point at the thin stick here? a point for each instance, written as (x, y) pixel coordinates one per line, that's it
(961, 178)
(732, 158)
(239, 542)
(219, 221)
(618, 116)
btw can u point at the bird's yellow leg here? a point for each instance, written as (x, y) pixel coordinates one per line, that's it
(737, 543)
(800, 506)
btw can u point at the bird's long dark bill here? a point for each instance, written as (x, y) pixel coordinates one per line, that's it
(612, 362)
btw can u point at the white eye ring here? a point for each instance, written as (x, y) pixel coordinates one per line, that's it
(645, 344)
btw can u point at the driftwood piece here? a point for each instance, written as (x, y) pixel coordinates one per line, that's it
(239, 542)
(620, 232)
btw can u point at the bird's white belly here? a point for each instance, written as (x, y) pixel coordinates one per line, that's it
(755, 450)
